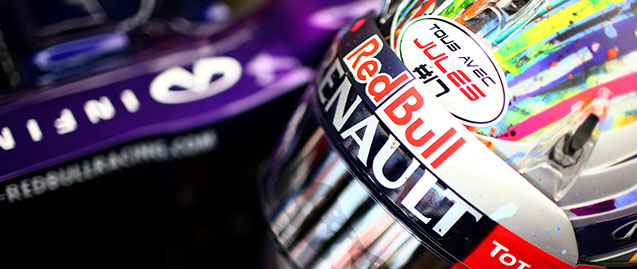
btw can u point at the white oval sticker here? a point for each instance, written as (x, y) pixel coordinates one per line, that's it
(456, 67)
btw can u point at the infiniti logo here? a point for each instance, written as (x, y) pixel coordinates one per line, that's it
(196, 85)
(624, 233)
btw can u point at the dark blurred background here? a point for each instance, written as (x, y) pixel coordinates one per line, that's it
(202, 211)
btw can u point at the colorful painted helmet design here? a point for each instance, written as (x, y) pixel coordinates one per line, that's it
(493, 134)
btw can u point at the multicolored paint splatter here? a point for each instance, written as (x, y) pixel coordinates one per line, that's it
(409, 10)
(562, 56)
(554, 53)
(558, 56)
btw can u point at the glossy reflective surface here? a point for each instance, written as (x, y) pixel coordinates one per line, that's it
(322, 217)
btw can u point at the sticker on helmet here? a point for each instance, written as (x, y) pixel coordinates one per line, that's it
(455, 67)
(368, 75)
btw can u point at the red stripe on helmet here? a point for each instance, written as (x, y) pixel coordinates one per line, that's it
(504, 249)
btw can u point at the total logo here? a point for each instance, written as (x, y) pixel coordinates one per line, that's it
(506, 258)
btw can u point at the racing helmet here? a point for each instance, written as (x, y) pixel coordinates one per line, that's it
(480, 134)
